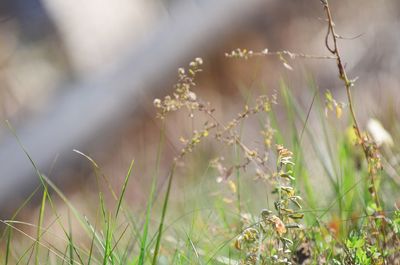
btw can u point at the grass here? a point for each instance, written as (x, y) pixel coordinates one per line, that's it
(307, 190)
(213, 224)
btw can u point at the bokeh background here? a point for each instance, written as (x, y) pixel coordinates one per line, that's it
(83, 75)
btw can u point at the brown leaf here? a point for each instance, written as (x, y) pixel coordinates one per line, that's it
(279, 225)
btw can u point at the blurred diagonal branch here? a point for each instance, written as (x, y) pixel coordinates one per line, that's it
(84, 109)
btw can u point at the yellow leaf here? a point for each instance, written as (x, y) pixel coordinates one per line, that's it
(338, 111)
(227, 200)
(232, 186)
(238, 243)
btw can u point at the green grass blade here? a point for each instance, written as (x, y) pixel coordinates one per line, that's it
(124, 189)
(194, 249)
(300, 170)
(151, 198)
(40, 221)
(163, 214)
(91, 246)
(70, 241)
(8, 249)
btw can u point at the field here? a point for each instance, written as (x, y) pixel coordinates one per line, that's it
(278, 182)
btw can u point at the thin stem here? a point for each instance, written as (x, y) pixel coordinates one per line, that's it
(348, 84)
(365, 142)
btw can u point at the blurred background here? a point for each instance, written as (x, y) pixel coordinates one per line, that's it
(83, 75)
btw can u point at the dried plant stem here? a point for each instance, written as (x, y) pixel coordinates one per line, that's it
(331, 33)
(294, 55)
